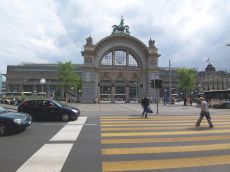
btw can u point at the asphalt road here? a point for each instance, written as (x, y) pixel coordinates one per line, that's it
(113, 137)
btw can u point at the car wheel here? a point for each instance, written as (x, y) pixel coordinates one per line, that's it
(65, 117)
(3, 129)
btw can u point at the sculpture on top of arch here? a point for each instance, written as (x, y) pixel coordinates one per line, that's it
(121, 28)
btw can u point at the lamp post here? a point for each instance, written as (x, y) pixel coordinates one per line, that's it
(136, 92)
(42, 81)
(170, 83)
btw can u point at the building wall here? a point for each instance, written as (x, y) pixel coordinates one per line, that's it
(94, 72)
(210, 79)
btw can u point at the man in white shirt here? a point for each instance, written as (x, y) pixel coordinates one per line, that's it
(204, 113)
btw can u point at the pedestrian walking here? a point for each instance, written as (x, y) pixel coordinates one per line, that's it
(145, 105)
(204, 113)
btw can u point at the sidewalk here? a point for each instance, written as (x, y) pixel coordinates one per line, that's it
(135, 108)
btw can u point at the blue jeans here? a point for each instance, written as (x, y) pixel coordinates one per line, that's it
(145, 111)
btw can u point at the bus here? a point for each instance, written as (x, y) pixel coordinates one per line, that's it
(15, 94)
(217, 94)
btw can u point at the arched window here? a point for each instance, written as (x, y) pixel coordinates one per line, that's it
(118, 58)
(132, 61)
(107, 59)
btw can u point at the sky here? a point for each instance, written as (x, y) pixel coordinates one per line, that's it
(186, 32)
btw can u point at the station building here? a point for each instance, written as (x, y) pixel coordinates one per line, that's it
(119, 67)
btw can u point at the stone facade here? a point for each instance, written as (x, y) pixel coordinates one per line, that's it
(210, 79)
(118, 68)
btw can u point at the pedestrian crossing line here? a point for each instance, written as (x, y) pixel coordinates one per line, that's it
(157, 121)
(51, 157)
(163, 140)
(165, 163)
(160, 116)
(106, 129)
(155, 124)
(127, 134)
(171, 149)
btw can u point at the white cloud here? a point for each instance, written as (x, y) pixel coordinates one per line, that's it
(47, 31)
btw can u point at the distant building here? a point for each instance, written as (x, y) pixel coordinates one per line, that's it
(0, 82)
(26, 77)
(210, 79)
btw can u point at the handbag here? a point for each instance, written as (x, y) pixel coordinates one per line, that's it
(150, 110)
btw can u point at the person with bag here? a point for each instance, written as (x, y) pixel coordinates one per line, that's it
(145, 105)
(204, 113)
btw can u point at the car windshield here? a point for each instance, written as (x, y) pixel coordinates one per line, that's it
(3, 110)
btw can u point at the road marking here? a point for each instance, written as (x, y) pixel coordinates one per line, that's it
(51, 157)
(165, 163)
(126, 134)
(154, 124)
(116, 131)
(171, 149)
(70, 132)
(163, 140)
(156, 121)
(160, 116)
(141, 128)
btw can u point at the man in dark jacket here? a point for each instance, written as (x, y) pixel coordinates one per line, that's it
(145, 105)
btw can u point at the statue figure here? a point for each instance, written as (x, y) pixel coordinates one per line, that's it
(121, 28)
(89, 40)
(151, 43)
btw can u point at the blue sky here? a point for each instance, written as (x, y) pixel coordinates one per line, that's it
(187, 32)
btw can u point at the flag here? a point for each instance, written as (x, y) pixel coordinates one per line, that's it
(208, 60)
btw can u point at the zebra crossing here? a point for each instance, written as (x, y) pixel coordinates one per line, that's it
(131, 143)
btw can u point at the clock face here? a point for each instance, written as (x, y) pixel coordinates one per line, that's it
(120, 60)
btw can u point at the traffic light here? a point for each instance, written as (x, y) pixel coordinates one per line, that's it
(156, 83)
(153, 83)
(159, 83)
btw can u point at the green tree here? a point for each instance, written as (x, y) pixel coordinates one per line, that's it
(69, 79)
(186, 79)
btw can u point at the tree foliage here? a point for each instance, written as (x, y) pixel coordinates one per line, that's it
(69, 79)
(186, 79)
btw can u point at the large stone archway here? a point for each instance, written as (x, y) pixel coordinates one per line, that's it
(118, 68)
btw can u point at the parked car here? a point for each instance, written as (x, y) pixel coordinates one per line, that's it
(47, 109)
(13, 121)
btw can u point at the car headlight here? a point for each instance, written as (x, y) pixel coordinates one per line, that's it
(18, 121)
(75, 111)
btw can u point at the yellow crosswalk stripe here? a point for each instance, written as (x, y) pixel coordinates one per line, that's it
(154, 124)
(154, 128)
(167, 129)
(161, 119)
(163, 133)
(171, 149)
(165, 163)
(160, 116)
(159, 140)
(156, 121)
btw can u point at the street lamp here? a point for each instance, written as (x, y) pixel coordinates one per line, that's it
(42, 81)
(170, 83)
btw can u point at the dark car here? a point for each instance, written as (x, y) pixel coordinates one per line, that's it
(13, 121)
(47, 110)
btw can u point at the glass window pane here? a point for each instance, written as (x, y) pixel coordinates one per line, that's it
(120, 58)
(132, 61)
(107, 59)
